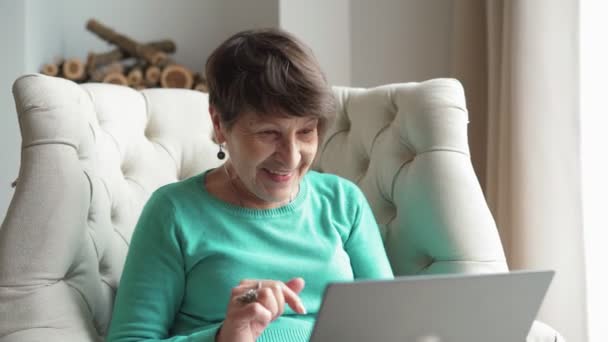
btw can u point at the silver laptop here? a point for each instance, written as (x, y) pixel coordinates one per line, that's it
(496, 307)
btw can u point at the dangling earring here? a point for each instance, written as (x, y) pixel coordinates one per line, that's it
(221, 155)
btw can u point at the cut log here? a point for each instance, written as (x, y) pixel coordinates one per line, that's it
(167, 46)
(115, 78)
(152, 76)
(202, 87)
(95, 60)
(135, 77)
(176, 76)
(200, 83)
(99, 74)
(130, 46)
(50, 69)
(73, 69)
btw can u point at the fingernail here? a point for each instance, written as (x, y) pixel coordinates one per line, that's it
(303, 309)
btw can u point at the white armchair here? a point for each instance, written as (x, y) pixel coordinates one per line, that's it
(92, 154)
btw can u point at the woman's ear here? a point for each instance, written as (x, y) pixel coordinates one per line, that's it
(218, 136)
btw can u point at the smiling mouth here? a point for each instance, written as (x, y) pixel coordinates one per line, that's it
(278, 175)
(278, 172)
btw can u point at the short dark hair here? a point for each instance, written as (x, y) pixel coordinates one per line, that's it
(268, 71)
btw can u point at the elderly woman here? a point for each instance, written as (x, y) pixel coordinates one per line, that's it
(243, 252)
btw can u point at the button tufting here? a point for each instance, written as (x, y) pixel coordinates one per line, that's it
(347, 126)
(365, 164)
(126, 168)
(147, 131)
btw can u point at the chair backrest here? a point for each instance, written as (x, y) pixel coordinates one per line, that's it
(92, 154)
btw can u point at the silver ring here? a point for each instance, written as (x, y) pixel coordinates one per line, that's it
(250, 295)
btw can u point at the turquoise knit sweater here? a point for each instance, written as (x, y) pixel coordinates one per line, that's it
(189, 249)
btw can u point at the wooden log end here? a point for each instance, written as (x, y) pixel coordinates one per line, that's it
(135, 77)
(115, 78)
(202, 87)
(74, 69)
(50, 69)
(176, 76)
(152, 76)
(92, 24)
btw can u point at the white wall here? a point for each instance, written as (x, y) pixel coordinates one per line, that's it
(594, 72)
(366, 43)
(325, 27)
(44, 22)
(12, 64)
(399, 41)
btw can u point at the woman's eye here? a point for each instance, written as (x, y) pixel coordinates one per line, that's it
(307, 131)
(269, 132)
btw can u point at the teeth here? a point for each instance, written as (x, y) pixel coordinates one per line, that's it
(279, 173)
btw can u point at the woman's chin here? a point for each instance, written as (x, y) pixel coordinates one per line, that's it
(278, 199)
(277, 193)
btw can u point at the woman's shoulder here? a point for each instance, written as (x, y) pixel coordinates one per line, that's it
(179, 191)
(332, 184)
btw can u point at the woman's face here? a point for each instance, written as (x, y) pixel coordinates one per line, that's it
(269, 154)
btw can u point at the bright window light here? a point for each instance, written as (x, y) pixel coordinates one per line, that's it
(594, 133)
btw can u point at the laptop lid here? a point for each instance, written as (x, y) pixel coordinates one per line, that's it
(498, 307)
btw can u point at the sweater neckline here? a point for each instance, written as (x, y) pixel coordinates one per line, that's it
(254, 212)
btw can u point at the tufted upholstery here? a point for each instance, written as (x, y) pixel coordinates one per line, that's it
(406, 146)
(92, 154)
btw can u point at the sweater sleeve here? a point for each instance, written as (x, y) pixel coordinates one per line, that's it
(364, 244)
(153, 280)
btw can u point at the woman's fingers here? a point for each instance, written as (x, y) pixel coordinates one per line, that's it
(277, 291)
(267, 297)
(289, 292)
(296, 284)
(239, 291)
(258, 312)
(293, 300)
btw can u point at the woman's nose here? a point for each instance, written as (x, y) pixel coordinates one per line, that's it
(289, 152)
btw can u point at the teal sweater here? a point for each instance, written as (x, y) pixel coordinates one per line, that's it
(189, 249)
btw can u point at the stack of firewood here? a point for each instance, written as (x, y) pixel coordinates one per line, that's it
(131, 63)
